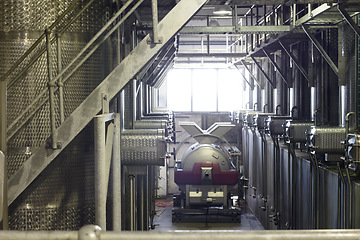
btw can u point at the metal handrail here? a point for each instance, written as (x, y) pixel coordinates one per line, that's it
(38, 41)
(44, 92)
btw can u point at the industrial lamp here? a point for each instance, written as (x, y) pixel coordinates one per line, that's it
(222, 10)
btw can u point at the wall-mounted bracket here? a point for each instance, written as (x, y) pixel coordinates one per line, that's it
(321, 49)
(275, 65)
(252, 75)
(302, 70)
(245, 79)
(263, 72)
(348, 19)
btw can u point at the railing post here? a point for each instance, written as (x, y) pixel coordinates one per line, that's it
(51, 86)
(154, 6)
(60, 83)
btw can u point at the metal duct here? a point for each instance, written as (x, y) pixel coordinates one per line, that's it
(143, 147)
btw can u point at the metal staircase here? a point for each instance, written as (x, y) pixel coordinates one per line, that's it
(63, 131)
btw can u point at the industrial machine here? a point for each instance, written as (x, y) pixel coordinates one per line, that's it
(206, 177)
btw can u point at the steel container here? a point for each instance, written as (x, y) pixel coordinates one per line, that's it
(326, 139)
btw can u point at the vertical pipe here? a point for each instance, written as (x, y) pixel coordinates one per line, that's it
(208, 36)
(134, 101)
(263, 99)
(116, 175)
(60, 84)
(313, 103)
(100, 172)
(51, 86)
(252, 24)
(141, 203)
(350, 226)
(148, 196)
(343, 105)
(275, 104)
(294, 15)
(132, 203)
(291, 98)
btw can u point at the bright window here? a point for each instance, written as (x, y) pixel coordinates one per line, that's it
(204, 90)
(179, 90)
(229, 90)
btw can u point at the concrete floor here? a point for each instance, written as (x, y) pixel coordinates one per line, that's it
(163, 220)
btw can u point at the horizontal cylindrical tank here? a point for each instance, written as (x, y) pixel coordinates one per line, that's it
(205, 153)
(327, 139)
(143, 147)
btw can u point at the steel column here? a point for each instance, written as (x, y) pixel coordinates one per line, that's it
(100, 171)
(116, 175)
(102, 150)
(321, 49)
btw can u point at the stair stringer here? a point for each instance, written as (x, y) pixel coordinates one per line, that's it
(111, 85)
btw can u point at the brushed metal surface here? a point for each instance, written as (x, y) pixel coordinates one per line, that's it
(143, 147)
(327, 139)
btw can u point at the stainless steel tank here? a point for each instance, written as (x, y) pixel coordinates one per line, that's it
(61, 198)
